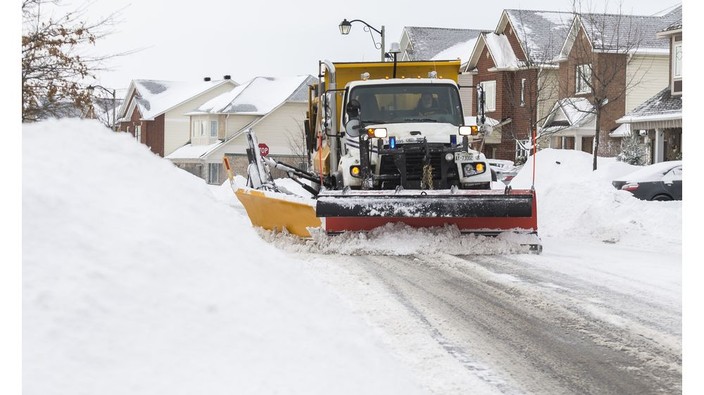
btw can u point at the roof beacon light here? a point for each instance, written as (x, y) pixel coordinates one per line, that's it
(365, 76)
(392, 142)
(433, 74)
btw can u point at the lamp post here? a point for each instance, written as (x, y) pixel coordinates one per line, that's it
(346, 26)
(114, 102)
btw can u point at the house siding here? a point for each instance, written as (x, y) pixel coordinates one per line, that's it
(647, 75)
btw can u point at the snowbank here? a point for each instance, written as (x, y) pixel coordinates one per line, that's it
(137, 279)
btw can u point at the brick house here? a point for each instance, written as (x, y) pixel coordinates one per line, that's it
(154, 112)
(616, 61)
(514, 65)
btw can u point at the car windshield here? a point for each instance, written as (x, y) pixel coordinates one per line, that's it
(404, 103)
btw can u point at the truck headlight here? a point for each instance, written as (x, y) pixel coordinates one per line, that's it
(473, 168)
(378, 132)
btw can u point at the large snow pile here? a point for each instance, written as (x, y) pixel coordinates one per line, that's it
(577, 202)
(138, 280)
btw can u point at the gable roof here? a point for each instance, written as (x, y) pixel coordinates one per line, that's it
(155, 97)
(540, 33)
(619, 33)
(258, 96)
(570, 113)
(426, 43)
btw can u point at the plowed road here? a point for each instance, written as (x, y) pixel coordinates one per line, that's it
(515, 325)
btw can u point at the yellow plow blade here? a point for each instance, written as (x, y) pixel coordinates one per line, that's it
(276, 212)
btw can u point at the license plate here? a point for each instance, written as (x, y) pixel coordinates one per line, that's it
(463, 156)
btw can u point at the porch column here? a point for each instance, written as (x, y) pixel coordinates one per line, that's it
(659, 146)
(577, 142)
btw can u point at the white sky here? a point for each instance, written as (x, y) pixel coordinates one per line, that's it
(138, 278)
(214, 38)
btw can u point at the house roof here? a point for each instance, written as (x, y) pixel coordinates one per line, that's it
(541, 33)
(618, 32)
(661, 107)
(570, 113)
(427, 43)
(259, 96)
(156, 97)
(501, 51)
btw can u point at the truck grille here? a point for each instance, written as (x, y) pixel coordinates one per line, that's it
(414, 159)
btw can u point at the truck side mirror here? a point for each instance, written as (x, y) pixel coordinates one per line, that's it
(353, 127)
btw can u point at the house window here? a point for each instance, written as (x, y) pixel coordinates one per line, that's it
(213, 173)
(193, 129)
(489, 95)
(213, 128)
(523, 92)
(202, 128)
(138, 133)
(583, 78)
(522, 149)
(677, 61)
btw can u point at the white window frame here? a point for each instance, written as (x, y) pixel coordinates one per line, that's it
(523, 92)
(583, 78)
(520, 151)
(677, 60)
(489, 95)
(138, 132)
(202, 128)
(214, 129)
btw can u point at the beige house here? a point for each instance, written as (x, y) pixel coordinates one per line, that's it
(275, 108)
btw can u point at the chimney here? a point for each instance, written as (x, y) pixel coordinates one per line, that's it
(206, 79)
(227, 77)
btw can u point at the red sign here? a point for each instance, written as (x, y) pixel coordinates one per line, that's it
(263, 149)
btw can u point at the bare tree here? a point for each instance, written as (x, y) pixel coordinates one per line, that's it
(603, 46)
(54, 61)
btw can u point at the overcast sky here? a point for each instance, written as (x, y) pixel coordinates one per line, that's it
(247, 39)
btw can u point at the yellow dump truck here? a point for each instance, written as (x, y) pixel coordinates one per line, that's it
(387, 143)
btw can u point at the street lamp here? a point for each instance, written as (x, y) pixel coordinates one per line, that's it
(346, 26)
(114, 102)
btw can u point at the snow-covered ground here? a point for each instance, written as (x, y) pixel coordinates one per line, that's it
(139, 278)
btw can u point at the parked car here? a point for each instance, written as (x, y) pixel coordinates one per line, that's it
(659, 181)
(502, 170)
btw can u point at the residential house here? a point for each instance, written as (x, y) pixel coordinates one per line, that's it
(435, 43)
(658, 120)
(275, 108)
(614, 62)
(154, 112)
(514, 66)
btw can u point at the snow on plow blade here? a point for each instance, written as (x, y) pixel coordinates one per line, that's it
(472, 211)
(278, 211)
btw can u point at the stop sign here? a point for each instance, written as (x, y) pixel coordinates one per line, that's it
(263, 149)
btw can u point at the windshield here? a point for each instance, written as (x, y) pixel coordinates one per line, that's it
(401, 103)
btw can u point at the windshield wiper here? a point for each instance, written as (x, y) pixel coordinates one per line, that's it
(366, 122)
(420, 120)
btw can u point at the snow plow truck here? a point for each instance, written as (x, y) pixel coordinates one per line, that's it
(387, 143)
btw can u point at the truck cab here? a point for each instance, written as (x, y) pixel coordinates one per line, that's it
(408, 133)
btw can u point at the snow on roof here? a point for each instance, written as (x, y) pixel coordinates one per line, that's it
(611, 32)
(541, 33)
(662, 106)
(623, 130)
(570, 112)
(501, 51)
(190, 151)
(258, 96)
(156, 97)
(428, 43)
(460, 51)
